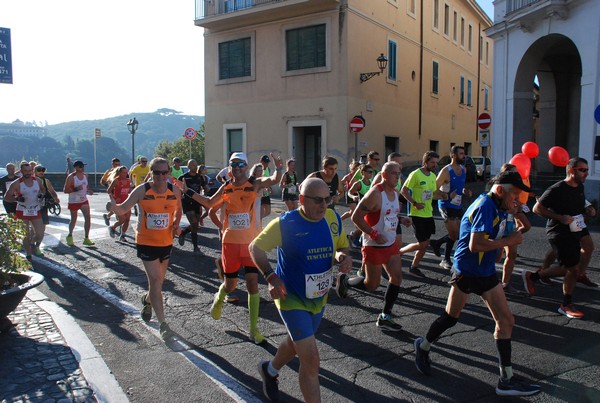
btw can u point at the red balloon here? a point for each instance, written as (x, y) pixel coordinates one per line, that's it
(523, 164)
(530, 149)
(558, 156)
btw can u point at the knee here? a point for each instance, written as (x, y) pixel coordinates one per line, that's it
(505, 323)
(371, 285)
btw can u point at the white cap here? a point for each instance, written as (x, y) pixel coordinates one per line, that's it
(238, 156)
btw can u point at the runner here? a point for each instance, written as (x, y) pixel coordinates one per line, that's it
(177, 170)
(139, 172)
(160, 213)
(289, 184)
(265, 201)
(308, 241)
(451, 180)
(377, 217)
(420, 190)
(191, 208)
(76, 186)
(373, 161)
(348, 182)
(5, 181)
(563, 204)
(50, 195)
(27, 192)
(474, 271)
(330, 176)
(241, 223)
(105, 181)
(118, 191)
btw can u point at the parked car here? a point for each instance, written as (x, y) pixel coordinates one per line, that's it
(478, 160)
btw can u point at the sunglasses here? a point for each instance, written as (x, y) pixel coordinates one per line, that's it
(582, 170)
(320, 200)
(40, 170)
(161, 172)
(239, 164)
(144, 161)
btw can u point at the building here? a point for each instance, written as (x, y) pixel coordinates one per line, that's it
(546, 75)
(20, 129)
(289, 75)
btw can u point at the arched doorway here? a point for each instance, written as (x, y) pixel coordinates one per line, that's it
(549, 116)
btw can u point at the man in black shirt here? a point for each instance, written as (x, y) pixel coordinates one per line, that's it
(5, 181)
(563, 204)
(191, 208)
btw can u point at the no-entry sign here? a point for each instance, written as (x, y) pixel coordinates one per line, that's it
(484, 120)
(357, 124)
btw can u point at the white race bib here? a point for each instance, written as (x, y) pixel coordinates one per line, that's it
(30, 211)
(578, 223)
(501, 230)
(318, 285)
(292, 190)
(456, 200)
(157, 221)
(238, 221)
(426, 195)
(390, 223)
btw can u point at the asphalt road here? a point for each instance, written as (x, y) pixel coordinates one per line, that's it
(213, 360)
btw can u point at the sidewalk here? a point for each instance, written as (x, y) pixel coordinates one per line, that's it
(46, 357)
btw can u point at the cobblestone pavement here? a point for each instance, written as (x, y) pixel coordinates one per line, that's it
(37, 365)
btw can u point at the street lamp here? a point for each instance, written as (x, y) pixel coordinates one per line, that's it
(132, 125)
(381, 63)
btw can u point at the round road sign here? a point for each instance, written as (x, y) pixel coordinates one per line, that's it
(357, 124)
(484, 121)
(189, 133)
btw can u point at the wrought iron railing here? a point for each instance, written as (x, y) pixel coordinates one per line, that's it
(514, 5)
(209, 8)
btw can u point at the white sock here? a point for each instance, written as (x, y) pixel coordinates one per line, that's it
(271, 369)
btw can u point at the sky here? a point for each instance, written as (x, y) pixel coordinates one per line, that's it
(82, 60)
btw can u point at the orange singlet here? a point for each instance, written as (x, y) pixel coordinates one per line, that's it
(240, 223)
(155, 228)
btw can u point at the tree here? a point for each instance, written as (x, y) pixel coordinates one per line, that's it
(181, 148)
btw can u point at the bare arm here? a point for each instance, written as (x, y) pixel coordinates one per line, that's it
(263, 182)
(371, 202)
(480, 243)
(133, 198)
(69, 188)
(52, 191)
(276, 286)
(9, 196)
(406, 193)
(547, 213)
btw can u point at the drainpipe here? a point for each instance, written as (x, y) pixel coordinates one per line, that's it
(479, 55)
(421, 76)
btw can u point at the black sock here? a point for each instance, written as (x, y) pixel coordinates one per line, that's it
(504, 352)
(390, 298)
(567, 299)
(185, 231)
(439, 326)
(357, 282)
(195, 239)
(449, 246)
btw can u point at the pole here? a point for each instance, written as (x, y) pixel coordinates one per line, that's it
(355, 146)
(95, 168)
(132, 147)
(190, 149)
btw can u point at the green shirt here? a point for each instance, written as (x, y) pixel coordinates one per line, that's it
(421, 188)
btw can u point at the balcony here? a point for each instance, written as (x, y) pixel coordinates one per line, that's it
(229, 14)
(514, 5)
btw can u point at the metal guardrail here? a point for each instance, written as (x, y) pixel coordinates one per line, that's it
(210, 8)
(514, 5)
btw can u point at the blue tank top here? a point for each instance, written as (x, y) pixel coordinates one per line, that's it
(457, 182)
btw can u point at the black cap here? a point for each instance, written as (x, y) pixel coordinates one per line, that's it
(78, 163)
(176, 159)
(511, 178)
(40, 168)
(265, 158)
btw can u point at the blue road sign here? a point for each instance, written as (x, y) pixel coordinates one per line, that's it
(5, 57)
(597, 114)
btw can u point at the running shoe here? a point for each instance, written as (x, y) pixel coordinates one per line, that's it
(181, 239)
(106, 219)
(165, 331)
(231, 298)
(387, 323)
(527, 282)
(416, 272)
(582, 279)
(88, 242)
(545, 281)
(341, 287)
(510, 290)
(270, 383)
(516, 386)
(436, 246)
(70, 240)
(112, 232)
(198, 251)
(122, 238)
(146, 312)
(570, 311)
(38, 252)
(257, 338)
(446, 264)
(422, 358)
(216, 308)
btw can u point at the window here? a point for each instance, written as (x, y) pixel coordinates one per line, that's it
(306, 47)
(455, 27)
(235, 141)
(461, 89)
(436, 14)
(481, 49)
(469, 93)
(486, 98)
(446, 19)
(487, 53)
(462, 32)
(435, 84)
(412, 7)
(470, 38)
(392, 60)
(468, 147)
(434, 145)
(235, 58)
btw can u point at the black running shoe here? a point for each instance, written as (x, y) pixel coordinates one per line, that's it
(416, 272)
(146, 312)
(341, 287)
(422, 358)
(516, 386)
(386, 322)
(436, 246)
(270, 383)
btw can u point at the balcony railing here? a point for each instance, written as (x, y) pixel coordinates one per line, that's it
(514, 5)
(210, 8)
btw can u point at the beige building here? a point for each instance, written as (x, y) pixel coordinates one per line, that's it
(285, 76)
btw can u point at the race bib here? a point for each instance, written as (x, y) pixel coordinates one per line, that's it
(292, 190)
(501, 230)
(390, 223)
(80, 199)
(426, 195)
(30, 211)
(456, 200)
(157, 221)
(578, 223)
(525, 209)
(317, 285)
(238, 221)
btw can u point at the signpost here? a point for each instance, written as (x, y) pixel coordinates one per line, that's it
(5, 57)
(484, 120)
(190, 134)
(356, 125)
